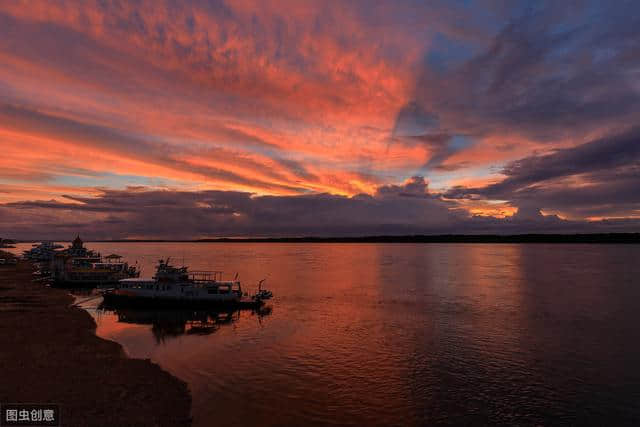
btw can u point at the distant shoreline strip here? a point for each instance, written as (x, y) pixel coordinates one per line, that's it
(632, 238)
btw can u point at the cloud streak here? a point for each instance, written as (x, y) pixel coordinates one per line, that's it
(587, 180)
(393, 210)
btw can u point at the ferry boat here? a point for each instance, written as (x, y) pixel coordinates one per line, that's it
(176, 286)
(78, 266)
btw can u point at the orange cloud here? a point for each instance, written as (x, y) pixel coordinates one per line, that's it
(268, 97)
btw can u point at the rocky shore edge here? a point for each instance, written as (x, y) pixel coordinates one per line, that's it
(50, 354)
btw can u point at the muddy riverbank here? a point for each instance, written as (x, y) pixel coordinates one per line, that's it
(50, 354)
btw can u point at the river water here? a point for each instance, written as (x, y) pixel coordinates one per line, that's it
(401, 334)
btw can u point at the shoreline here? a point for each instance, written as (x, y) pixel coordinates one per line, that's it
(601, 238)
(52, 355)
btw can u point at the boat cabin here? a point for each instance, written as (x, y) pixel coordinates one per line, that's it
(159, 286)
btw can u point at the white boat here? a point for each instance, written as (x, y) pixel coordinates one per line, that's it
(177, 286)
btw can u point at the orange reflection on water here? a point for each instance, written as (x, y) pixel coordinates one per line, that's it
(398, 334)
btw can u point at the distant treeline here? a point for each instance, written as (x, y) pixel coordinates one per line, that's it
(445, 238)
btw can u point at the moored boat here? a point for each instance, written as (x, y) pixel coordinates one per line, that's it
(7, 243)
(43, 252)
(78, 266)
(177, 286)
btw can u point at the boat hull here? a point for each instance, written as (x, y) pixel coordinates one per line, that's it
(116, 299)
(69, 284)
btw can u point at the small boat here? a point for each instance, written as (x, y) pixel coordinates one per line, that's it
(7, 243)
(43, 252)
(177, 286)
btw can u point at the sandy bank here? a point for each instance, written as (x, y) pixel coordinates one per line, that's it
(50, 354)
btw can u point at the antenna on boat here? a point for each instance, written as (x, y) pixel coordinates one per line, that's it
(236, 276)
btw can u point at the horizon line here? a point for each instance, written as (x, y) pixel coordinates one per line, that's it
(412, 238)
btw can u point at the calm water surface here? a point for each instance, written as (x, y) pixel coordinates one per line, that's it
(402, 334)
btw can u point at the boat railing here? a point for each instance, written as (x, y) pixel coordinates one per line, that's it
(205, 276)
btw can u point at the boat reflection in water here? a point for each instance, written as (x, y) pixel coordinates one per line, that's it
(170, 323)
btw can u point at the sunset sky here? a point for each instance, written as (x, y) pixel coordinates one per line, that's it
(188, 119)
